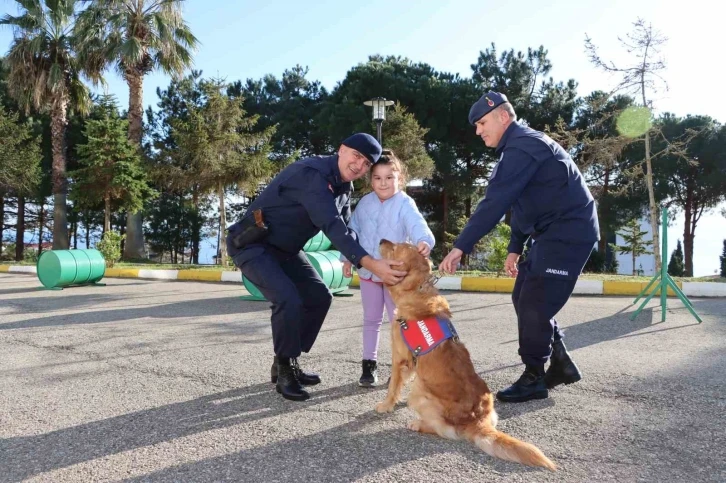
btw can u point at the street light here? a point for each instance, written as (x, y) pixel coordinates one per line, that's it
(379, 105)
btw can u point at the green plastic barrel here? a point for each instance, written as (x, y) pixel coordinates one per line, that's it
(330, 269)
(318, 243)
(328, 266)
(61, 268)
(252, 289)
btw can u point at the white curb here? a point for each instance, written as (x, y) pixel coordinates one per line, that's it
(22, 269)
(449, 283)
(589, 287)
(704, 289)
(159, 274)
(235, 276)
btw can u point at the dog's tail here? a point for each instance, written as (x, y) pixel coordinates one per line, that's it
(501, 445)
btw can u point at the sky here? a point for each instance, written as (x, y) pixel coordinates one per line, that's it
(244, 39)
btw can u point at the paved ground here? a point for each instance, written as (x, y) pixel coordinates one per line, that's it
(168, 381)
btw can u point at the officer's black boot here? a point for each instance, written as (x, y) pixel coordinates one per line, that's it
(287, 382)
(530, 385)
(562, 369)
(369, 378)
(306, 379)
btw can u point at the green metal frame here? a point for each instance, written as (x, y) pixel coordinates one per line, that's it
(663, 280)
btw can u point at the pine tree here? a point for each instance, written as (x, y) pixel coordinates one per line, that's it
(111, 169)
(675, 266)
(723, 260)
(634, 242)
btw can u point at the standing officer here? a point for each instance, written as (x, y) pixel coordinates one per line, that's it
(310, 195)
(552, 205)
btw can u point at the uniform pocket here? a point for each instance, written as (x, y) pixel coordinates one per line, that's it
(558, 259)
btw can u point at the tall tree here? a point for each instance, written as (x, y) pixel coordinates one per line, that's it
(675, 266)
(220, 147)
(405, 137)
(523, 79)
(111, 170)
(634, 241)
(693, 169)
(639, 78)
(291, 104)
(45, 74)
(722, 258)
(19, 165)
(137, 36)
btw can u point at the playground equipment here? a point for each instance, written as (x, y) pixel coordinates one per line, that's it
(325, 261)
(58, 269)
(664, 280)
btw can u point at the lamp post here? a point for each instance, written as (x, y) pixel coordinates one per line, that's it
(379, 105)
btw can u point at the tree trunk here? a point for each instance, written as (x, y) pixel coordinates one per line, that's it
(88, 230)
(653, 206)
(134, 247)
(633, 263)
(20, 230)
(445, 218)
(2, 221)
(602, 244)
(41, 225)
(196, 227)
(222, 225)
(60, 217)
(75, 235)
(107, 213)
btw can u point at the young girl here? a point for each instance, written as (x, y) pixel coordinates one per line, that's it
(387, 213)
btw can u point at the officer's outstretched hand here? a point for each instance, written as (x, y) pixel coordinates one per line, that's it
(448, 265)
(510, 264)
(384, 269)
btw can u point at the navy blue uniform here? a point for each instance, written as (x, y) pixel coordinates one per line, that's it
(550, 203)
(306, 197)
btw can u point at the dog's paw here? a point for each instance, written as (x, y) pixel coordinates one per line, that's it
(414, 425)
(384, 407)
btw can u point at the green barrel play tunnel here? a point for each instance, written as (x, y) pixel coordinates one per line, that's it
(326, 263)
(63, 268)
(318, 243)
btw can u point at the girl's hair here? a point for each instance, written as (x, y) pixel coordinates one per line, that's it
(389, 158)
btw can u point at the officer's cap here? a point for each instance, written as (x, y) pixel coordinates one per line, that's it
(486, 104)
(365, 144)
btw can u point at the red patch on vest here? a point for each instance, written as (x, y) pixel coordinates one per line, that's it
(422, 336)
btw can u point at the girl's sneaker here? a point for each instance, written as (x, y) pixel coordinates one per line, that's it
(369, 378)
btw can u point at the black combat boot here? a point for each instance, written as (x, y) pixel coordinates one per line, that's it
(369, 378)
(530, 385)
(562, 369)
(287, 383)
(304, 378)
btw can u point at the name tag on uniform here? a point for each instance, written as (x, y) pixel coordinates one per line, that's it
(496, 166)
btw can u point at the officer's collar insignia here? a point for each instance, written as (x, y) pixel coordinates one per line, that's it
(489, 101)
(330, 187)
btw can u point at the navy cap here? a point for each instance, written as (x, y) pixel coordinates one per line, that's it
(365, 144)
(486, 103)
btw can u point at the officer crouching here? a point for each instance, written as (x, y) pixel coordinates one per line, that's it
(310, 195)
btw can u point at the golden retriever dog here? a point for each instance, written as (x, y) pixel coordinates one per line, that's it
(448, 396)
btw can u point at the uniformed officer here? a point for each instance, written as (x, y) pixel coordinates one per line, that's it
(551, 204)
(310, 195)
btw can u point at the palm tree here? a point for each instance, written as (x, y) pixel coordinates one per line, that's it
(45, 74)
(137, 36)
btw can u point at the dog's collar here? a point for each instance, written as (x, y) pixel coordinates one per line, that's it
(432, 280)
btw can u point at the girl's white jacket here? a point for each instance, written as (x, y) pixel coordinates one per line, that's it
(396, 219)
